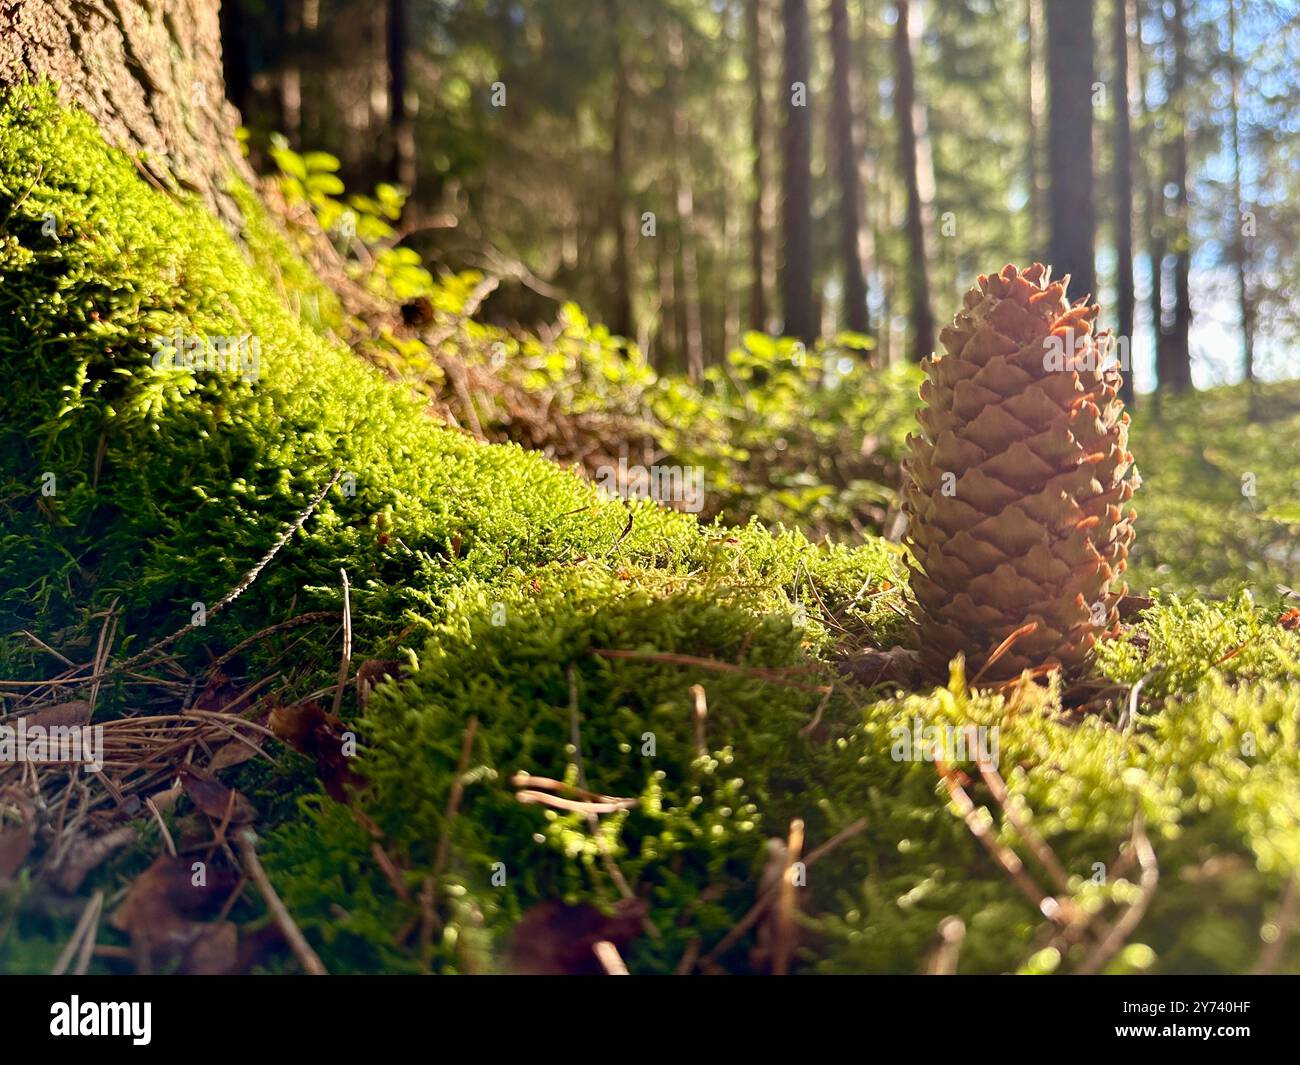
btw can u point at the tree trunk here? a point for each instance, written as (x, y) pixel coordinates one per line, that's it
(1240, 245)
(758, 257)
(622, 323)
(288, 81)
(1151, 167)
(1180, 358)
(1034, 79)
(1123, 163)
(1070, 76)
(796, 193)
(150, 76)
(688, 289)
(234, 41)
(918, 239)
(401, 167)
(846, 164)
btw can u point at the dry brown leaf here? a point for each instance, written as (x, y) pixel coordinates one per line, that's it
(17, 832)
(161, 906)
(70, 714)
(555, 939)
(309, 729)
(213, 797)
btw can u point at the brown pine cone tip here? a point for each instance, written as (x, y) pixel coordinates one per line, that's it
(1016, 489)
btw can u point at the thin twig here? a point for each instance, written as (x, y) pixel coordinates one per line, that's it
(346, 660)
(1125, 926)
(544, 798)
(943, 959)
(162, 825)
(307, 957)
(783, 920)
(1007, 859)
(766, 899)
(244, 583)
(1044, 853)
(1003, 648)
(89, 917)
(698, 718)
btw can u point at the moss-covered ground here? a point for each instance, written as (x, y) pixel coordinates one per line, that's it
(566, 633)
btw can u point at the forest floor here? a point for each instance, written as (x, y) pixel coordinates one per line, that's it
(380, 691)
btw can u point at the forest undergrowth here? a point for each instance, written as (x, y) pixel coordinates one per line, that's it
(563, 718)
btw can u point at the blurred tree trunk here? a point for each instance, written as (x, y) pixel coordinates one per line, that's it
(234, 42)
(906, 107)
(289, 75)
(1034, 78)
(1123, 163)
(401, 162)
(1240, 245)
(688, 281)
(622, 323)
(150, 76)
(846, 163)
(1070, 77)
(1151, 166)
(1179, 360)
(759, 261)
(796, 187)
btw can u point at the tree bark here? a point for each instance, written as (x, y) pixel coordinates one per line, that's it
(1123, 163)
(758, 257)
(688, 289)
(400, 123)
(856, 315)
(1034, 79)
(1179, 361)
(623, 323)
(918, 239)
(289, 74)
(150, 76)
(796, 193)
(234, 41)
(1070, 76)
(1151, 165)
(1240, 246)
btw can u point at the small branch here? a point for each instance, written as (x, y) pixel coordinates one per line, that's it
(610, 959)
(1126, 925)
(1044, 853)
(454, 797)
(307, 957)
(1007, 859)
(546, 799)
(346, 659)
(83, 936)
(700, 715)
(767, 897)
(240, 588)
(943, 959)
(783, 931)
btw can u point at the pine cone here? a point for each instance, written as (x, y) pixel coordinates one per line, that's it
(1017, 489)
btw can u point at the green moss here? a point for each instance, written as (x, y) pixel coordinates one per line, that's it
(502, 577)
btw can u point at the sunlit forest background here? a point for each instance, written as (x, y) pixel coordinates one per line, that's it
(659, 162)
